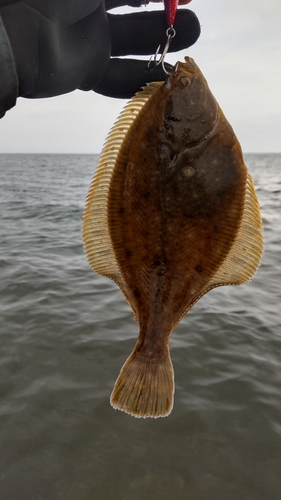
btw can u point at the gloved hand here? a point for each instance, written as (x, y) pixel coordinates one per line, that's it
(62, 45)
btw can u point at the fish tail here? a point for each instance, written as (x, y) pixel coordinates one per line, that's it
(145, 386)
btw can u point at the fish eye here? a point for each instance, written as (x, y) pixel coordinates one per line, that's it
(184, 81)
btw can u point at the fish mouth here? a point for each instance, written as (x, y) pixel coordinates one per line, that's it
(187, 67)
(183, 71)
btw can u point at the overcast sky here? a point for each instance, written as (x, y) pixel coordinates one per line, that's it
(239, 52)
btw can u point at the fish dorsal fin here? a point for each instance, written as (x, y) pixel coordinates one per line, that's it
(96, 236)
(246, 252)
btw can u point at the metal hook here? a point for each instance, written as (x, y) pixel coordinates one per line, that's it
(170, 34)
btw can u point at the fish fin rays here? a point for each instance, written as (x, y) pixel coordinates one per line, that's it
(95, 231)
(145, 387)
(246, 252)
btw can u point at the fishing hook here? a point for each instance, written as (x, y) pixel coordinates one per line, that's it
(170, 35)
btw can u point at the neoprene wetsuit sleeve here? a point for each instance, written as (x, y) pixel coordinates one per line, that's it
(9, 2)
(8, 74)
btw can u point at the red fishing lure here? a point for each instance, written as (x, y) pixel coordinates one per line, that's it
(171, 7)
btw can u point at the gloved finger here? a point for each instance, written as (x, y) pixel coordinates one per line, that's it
(112, 4)
(181, 2)
(124, 77)
(141, 33)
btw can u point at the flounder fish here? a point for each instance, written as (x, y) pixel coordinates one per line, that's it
(171, 213)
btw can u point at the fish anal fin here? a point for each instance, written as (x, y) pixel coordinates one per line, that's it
(145, 387)
(246, 251)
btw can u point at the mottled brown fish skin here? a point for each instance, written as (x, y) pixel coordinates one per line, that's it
(175, 206)
(178, 184)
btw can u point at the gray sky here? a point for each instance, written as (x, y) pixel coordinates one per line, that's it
(239, 52)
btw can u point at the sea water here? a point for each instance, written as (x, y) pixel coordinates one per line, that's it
(66, 331)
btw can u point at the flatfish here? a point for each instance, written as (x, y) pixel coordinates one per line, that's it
(171, 213)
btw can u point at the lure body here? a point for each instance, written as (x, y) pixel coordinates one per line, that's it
(171, 7)
(171, 214)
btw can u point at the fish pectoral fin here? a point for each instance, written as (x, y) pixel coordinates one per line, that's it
(246, 252)
(145, 387)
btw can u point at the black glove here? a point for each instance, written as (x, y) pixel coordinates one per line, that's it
(61, 45)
